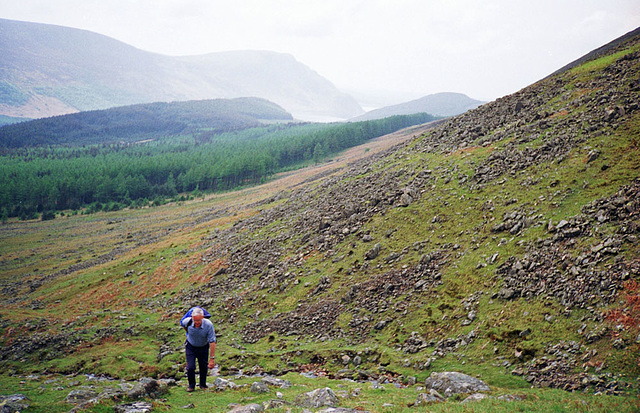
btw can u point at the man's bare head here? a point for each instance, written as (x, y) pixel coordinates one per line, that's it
(197, 314)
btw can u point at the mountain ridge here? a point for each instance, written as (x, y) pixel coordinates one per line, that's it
(126, 123)
(49, 70)
(437, 104)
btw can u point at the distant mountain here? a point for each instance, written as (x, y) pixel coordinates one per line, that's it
(438, 104)
(48, 70)
(132, 123)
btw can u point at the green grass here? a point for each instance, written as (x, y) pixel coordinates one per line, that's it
(51, 396)
(599, 64)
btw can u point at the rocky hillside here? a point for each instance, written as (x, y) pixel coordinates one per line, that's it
(438, 104)
(50, 70)
(514, 225)
(502, 243)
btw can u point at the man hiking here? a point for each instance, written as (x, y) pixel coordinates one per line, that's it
(200, 345)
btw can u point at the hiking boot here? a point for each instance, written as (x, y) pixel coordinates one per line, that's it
(204, 387)
(190, 389)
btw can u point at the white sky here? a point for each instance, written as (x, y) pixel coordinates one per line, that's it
(485, 49)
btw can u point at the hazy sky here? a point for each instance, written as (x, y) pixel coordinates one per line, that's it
(485, 49)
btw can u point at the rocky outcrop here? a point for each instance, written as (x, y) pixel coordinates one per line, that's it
(450, 383)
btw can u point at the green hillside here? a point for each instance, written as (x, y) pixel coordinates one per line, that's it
(145, 121)
(502, 243)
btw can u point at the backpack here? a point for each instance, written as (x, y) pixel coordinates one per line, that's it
(188, 314)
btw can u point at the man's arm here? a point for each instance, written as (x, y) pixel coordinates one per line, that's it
(212, 355)
(212, 351)
(212, 347)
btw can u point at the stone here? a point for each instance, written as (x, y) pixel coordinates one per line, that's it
(475, 397)
(112, 393)
(357, 360)
(506, 293)
(147, 387)
(13, 403)
(317, 398)
(259, 387)
(223, 384)
(81, 396)
(381, 324)
(405, 200)
(427, 398)
(525, 332)
(249, 408)
(592, 156)
(376, 386)
(276, 382)
(137, 407)
(450, 383)
(274, 404)
(373, 252)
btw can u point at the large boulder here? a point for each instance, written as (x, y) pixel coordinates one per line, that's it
(450, 383)
(317, 398)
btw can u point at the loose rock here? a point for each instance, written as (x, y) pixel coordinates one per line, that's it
(317, 398)
(259, 387)
(451, 383)
(137, 407)
(249, 408)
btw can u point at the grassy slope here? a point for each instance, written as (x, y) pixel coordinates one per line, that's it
(176, 259)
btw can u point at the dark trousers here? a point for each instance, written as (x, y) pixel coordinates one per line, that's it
(202, 355)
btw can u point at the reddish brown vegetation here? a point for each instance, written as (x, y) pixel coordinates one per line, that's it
(629, 314)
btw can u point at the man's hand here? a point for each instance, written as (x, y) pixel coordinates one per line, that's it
(212, 363)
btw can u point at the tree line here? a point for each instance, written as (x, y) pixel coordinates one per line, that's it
(98, 177)
(135, 122)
